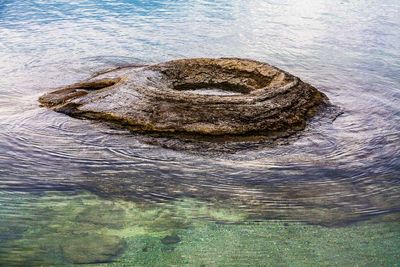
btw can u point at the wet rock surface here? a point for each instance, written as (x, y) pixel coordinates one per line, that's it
(224, 99)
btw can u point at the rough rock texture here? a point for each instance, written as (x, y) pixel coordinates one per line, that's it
(200, 97)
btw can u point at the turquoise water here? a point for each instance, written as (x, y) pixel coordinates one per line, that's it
(78, 192)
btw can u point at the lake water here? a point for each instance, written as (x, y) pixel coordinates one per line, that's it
(77, 191)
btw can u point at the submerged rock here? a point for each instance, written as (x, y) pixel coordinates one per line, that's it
(109, 216)
(228, 97)
(93, 248)
(171, 239)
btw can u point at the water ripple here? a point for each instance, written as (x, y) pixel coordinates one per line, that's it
(339, 170)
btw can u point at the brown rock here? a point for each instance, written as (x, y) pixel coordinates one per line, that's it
(199, 97)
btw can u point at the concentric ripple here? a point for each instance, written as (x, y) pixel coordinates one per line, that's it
(340, 170)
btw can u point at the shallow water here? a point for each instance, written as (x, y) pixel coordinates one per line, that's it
(65, 182)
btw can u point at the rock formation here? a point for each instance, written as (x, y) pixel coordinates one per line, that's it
(202, 97)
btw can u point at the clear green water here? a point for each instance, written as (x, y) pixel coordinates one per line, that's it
(76, 191)
(83, 228)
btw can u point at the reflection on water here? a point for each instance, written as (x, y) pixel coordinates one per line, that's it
(153, 205)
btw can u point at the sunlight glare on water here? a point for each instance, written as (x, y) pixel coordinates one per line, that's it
(158, 206)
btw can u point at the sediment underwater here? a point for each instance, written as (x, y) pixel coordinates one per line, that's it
(199, 133)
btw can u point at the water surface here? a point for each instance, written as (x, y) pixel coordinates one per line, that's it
(329, 197)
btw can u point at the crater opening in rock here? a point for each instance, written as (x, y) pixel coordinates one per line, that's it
(218, 89)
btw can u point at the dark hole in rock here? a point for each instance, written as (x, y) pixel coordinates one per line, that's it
(213, 88)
